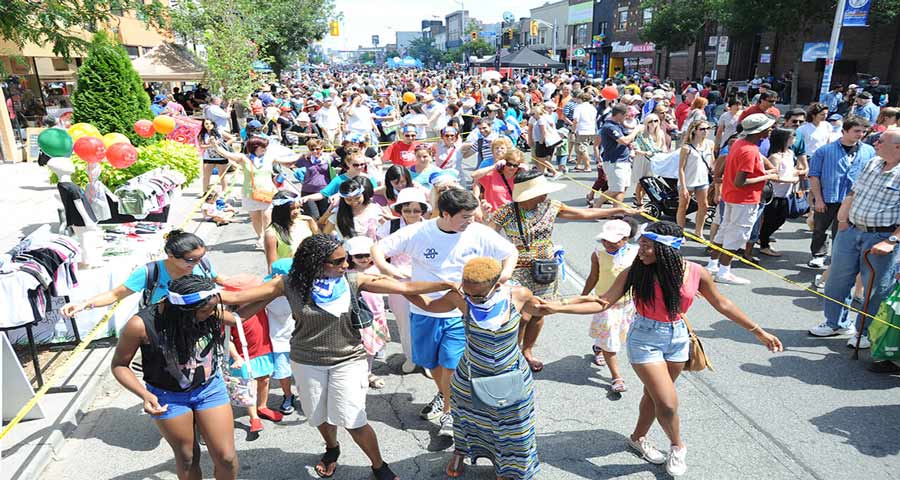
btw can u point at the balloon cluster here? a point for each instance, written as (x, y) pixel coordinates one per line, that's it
(85, 140)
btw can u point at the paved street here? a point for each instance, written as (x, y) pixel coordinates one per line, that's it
(809, 412)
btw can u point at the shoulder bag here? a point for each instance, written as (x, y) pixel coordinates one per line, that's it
(360, 315)
(543, 271)
(260, 194)
(496, 391)
(697, 358)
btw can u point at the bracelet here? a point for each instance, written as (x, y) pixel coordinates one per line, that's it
(755, 328)
(88, 306)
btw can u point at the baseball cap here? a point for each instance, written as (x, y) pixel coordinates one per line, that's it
(834, 117)
(159, 97)
(254, 124)
(691, 90)
(614, 231)
(408, 129)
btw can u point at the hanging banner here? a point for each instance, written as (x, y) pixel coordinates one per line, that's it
(856, 13)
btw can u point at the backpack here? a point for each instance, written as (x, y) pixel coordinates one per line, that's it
(153, 280)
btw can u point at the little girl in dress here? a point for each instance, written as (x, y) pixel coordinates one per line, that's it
(610, 327)
(374, 338)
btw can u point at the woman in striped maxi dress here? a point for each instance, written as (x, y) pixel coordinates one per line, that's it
(504, 435)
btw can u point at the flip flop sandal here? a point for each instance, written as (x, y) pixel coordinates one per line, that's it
(456, 466)
(598, 357)
(329, 458)
(384, 472)
(618, 385)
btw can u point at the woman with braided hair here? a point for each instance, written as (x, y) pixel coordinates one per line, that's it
(327, 354)
(663, 286)
(181, 343)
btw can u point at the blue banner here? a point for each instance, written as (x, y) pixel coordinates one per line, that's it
(856, 13)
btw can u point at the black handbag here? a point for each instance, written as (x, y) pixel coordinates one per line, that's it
(543, 271)
(360, 315)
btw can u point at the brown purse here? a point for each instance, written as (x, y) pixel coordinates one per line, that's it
(697, 358)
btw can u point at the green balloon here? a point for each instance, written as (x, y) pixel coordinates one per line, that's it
(56, 142)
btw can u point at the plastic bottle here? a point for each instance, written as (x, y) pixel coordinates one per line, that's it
(60, 331)
(560, 255)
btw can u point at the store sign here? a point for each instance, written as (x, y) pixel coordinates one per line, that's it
(813, 51)
(628, 47)
(579, 53)
(856, 13)
(581, 13)
(765, 58)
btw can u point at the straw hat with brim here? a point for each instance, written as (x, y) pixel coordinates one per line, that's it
(758, 122)
(535, 187)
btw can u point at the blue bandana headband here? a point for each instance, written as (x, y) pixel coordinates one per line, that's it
(284, 201)
(191, 298)
(353, 193)
(668, 240)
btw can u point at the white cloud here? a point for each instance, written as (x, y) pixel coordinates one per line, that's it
(364, 18)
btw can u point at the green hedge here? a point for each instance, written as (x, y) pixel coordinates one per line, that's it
(178, 156)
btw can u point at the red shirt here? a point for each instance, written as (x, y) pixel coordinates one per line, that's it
(496, 193)
(772, 111)
(743, 156)
(256, 331)
(657, 310)
(681, 113)
(400, 153)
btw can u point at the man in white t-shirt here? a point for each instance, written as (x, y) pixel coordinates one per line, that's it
(548, 89)
(584, 124)
(329, 120)
(439, 248)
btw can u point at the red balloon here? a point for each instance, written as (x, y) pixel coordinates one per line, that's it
(609, 92)
(121, 155)
(90, 149)
(144, 128)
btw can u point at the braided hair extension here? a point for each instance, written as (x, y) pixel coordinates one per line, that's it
(309, 262)
(668, 271)
(180, 330)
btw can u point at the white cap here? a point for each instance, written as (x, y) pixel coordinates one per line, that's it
(614, 231)
(302, 117)
(358, 245)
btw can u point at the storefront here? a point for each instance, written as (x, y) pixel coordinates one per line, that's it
(632, 58)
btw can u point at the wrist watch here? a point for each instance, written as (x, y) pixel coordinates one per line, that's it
(893, 239)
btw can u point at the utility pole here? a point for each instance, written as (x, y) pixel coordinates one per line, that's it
(832, 50)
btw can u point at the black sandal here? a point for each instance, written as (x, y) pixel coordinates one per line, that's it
(329, 458)
(384, 472)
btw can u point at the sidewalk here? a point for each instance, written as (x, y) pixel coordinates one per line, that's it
(30, 201)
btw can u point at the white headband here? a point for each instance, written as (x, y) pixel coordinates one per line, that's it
(191, 298)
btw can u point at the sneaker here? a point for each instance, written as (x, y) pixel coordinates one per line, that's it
(408, 366)
(434, 409)
(256, 425)
(823, 330)
(731, 279)
(712, 268)
(446, 425)
(287, 405)
(864, 343)
(817, 262)
(675, 465)
(819, 283)
(647, 450)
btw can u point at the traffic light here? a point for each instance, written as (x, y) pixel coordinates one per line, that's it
(474, 36)
(334, 28)
(534, 28)
(510, 32)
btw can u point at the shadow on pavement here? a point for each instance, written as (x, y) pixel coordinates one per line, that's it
(841, 372)
(116, 421)
(871, 430)
(572, 451)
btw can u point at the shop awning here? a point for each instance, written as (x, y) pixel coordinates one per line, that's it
(169, 63)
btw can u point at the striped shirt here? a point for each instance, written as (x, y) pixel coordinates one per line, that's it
(837, 169)
(876, 196)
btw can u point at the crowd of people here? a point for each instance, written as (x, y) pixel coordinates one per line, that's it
(356, 188)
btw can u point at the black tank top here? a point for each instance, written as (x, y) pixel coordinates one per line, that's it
(161, 367)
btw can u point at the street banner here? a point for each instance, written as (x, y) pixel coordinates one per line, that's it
(856, 13)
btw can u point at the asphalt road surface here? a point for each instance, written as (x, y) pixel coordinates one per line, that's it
(809, 413)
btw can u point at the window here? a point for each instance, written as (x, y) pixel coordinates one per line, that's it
(133, 51)
(604, 26)
(582, 33)
(648, 15)
(622, 20)
(59, 64)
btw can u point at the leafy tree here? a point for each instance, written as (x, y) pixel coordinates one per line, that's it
(677, 23)
(61, 23)
(109, 93)
(366, 57)
(230, 52)
(423, 48)
(479, 47)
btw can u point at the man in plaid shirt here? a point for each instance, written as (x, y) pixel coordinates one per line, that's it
(868, 220)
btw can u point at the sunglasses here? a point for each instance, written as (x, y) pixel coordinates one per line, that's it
(652, 121)
(478, 299)
(513, 165)
(193, 260)
(361, 256)
(336, 262)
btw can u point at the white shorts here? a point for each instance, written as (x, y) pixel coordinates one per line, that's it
(737, 225)
(250, 205)
(334, 394)
(618, 175)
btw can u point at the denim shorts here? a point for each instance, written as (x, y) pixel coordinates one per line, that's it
(437, 340)
(213, 394)
(282, 365)
(650, 341)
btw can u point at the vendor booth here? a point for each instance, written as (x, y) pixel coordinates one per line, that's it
(524, 59)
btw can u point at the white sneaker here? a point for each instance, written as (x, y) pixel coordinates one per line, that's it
(731, 279)
(675, 464)
(647, 450)
(408, 366)
(712, 268)
(817, 263)
(864, 343)
(446, 425)
(823, 330)
(819, 283)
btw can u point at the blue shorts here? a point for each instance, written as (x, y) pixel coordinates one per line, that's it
(437, 341)
(650, 341)
(213, 394)
(262, 366)
(282, 362)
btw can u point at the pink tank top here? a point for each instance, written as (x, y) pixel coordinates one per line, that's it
(657, 309)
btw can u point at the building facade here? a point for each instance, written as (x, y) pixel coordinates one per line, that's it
(551, 38)
(456, 28)
(579, 18)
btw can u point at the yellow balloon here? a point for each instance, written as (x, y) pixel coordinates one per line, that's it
(164, 124)
(113, 138)
(83, 130)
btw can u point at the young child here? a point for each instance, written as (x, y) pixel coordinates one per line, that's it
(216, 210)
(374, 338)
(281, 325)
(259, 349)
(609, 328)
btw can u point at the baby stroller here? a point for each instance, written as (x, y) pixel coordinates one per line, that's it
(663, 203)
